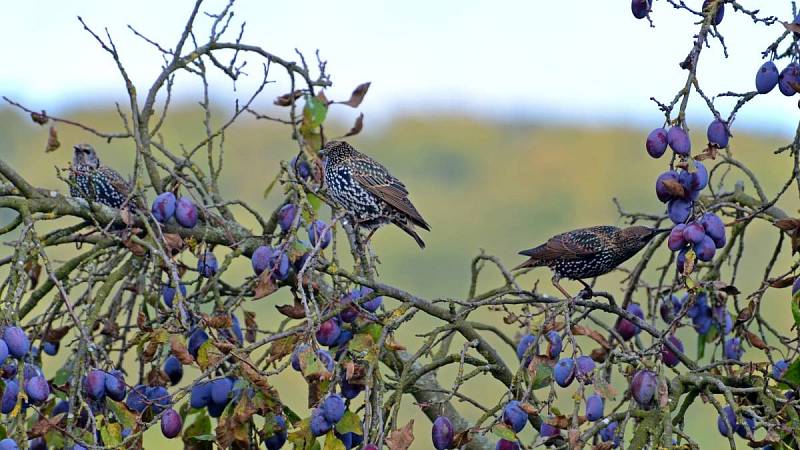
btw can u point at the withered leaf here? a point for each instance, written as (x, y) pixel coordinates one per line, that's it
(726, 288)
(40, 118)
(224, 346)
(358, 95)
(174, 243)
(56, 334)
(157, 377)
(218, 321)
(781, 282)
(594, 334)
(559, 422)
(149, 351)
(33, 269)
(282, 347)
(110, 328)
(357, 126)
(787, 224)
(402, 438)
(323, 98)
(709, 153)
(264, 286)
(52, 140)
(674, 187)
(287, 99)
(599, 355)
(135, 248)
(462, 438)
(251, 328)
(253, 375)
(756, 341)
(295, 311)
(141, 322)
(127, 217)
(179, 350)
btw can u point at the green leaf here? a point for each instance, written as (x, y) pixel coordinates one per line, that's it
(123, 414)
(796, 309)
(544, 374)
(310, 365)
(111, 434)
(361, 343)
(504, 432)
(294, 419)
(62, 375)
(349, 423)
(701, 346)
(301, 437)
(792, 374)
(332, 442)
(314, 112)
(204, 437)
(272, 184)
(314, 201)
(374, 330)
(202, 354)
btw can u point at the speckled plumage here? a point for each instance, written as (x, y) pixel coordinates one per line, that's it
(95, 182)
(365, 189)
(588, 252)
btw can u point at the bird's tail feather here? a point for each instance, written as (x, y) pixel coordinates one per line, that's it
(409, 229)
(533, 262)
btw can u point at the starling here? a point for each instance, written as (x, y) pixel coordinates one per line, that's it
(95, 182)
(369, 194)
(588, 252)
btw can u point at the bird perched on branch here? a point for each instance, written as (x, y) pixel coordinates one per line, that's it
(366, 190)
(588, 252)
(95, 182)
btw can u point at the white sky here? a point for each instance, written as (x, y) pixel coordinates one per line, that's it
(583, 60)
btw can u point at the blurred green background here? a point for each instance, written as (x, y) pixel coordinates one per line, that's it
(497, 186)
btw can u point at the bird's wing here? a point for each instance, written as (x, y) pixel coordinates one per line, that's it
(116, 180)
(572, 245)
(373, 177)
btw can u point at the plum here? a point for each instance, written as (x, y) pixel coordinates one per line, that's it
(594, 408)
(319, 426)
(514, 416)
(504, 444)
(733, 349)
(705, 249)
(526, 343)
(669, 357)
(788, 77)
(171, 423)
(625, 327)
(168, 293)
(221, 390)
(196, 340)
(640, 8)
(115, 385)
(200, 395)
(328, 332)
(207, 265)
(676, 239)
(95, 384)
(163, 207)
(662, 191)
(554, 344)
(718, 15)
(656, 143)
(643, 388)
(679, 210)
(584, 369)
(261, 259)
(286, 216)
(766, 77)
(10, 394)
(137, 399)
(564, 372)
(174, 369)
(717, 133)
(442, 433)
(779, 369)
(17, 341)
(317, 233)
(670, 307)
(679, 140)
(159, 398)
(8, 444)
(186, 212)
(726, 422)
(333, 408)
(278, 436)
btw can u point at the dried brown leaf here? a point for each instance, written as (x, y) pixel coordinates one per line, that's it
(56, 334)
(110, 328)
(756, 341)
(135, 248)
(178, 346)
(282, 347)
(149, 351)
(726, 288)
(402, 438)
(581, 330)
(265, 285)
(295, 311)
(787, 224)
(674, 187)
(40, 118)
(358, 95)
(781, 283)
(357, 126)
(52, 140)
(141, 322)
(33, 269)
(156, 377)
(463, 438)
(174, 243)
(288, 99)
(323, 98)
(599, 355)
(218, 321)
(251, 328)
(253, 375)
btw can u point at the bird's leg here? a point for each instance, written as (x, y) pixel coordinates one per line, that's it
(586, 293)
(561, 289)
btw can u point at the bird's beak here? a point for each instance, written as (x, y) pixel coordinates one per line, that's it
(661, 230)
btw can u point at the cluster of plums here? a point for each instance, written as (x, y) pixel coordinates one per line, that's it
(166, 206)
(15, 349)
(704, 236)
(788, 80)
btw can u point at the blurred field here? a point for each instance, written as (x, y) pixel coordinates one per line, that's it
(482, 185)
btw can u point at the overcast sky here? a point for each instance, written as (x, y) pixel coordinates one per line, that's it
(583, 60)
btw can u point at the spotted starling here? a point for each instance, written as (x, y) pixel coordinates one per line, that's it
(95, 182)
(369, 194)
(588, 252)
